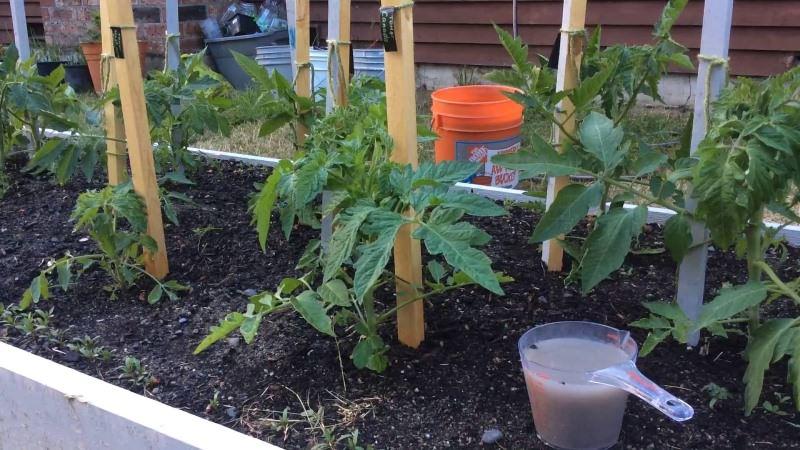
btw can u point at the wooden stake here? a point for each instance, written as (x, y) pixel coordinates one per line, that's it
(714, 44)
(339, 35)
(402, 115)
(116, 152)
(137, 127)
(20, 24)
(569, 65)
(300, 40)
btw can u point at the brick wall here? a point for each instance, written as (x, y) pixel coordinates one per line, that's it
(67, 21)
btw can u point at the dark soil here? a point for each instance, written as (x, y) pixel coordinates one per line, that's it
(463, 380)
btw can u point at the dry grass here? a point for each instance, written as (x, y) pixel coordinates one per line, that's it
(244, 138)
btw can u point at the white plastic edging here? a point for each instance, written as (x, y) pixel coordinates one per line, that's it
(49, 406)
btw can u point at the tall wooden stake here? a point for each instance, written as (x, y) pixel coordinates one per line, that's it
(569, 64)
(402, 115)
(173, 35)
(298, 14)
(116, 152)
(339, 37)
(20, 24)
(137, 128)
(711, 73)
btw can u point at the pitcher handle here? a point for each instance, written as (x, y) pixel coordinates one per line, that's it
(628, 378)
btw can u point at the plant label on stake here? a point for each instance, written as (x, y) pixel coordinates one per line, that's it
(388, 29)
(116, 39)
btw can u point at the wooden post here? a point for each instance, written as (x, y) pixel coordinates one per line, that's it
(299, 19)
(116, 152)
(402, 116)
(714, 45)
(137, 127)
(20, 24)
(173, 35)
(339, 38)
(569, 64)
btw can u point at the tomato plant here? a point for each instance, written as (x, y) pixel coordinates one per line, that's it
(348, 155)
(747, 164)
(615, 159)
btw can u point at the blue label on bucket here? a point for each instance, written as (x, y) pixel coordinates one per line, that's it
(482, 152)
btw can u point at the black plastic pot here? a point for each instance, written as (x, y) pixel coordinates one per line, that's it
(45, 68)
(78, 77)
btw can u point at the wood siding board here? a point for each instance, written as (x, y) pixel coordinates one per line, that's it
(33, 17)
(459, 31)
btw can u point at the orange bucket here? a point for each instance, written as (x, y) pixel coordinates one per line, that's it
(475, 123)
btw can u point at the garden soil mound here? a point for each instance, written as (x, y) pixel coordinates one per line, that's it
(464, 379)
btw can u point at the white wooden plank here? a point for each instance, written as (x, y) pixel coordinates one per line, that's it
(49, 406)
(715, 42)
(20, 24)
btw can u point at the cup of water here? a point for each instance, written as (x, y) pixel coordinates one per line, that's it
(579, 376)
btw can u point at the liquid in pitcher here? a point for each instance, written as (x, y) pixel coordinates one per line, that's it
(568, 411)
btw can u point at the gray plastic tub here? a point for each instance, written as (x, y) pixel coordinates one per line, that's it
(369, 62)
(276, 57)
(220, 50)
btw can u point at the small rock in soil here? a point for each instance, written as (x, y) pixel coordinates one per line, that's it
(232, 412)
(249, 292)
(72, 356)
(491, 436)
(182, 320)
(233, 342)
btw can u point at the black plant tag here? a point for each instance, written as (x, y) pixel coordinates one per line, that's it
(387, 29)
(116, 39)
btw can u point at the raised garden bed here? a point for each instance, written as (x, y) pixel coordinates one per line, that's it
(464, 379)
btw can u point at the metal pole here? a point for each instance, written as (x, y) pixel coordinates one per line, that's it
(173, 53)
(714, 47)
(20, 24)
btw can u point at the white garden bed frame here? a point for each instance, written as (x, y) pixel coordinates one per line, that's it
(44, 405)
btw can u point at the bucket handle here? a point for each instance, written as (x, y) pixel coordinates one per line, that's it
(434, 121)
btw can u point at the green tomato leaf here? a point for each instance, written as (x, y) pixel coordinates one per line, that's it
(313, 311)
(590, 88)
(649, 160)
(155, 294)
(249, 327)
(335, 292)
(669, 310)
(369, 353)
(678, 236)
(541, 158)
(603, 140)
(375, 255)
(668, 18)
(653, 339)
(570, 206)
(731, 301)
(265, 203)
(455, 243)
(228, 325)
(473, 205)
(343, 240)
(609, 243)
(758, 354)
(436, 270)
